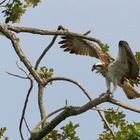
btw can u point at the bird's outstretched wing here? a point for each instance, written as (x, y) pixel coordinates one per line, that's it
(126, 57)
(133, 68)
(79, 46)
(129, 90)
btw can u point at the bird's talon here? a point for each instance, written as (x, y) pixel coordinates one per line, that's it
(102, 94)
(111, 95)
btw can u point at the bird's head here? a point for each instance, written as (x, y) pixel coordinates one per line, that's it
(98, 66)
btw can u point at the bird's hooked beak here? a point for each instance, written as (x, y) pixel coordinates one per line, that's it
(93, 67)
(97, 66)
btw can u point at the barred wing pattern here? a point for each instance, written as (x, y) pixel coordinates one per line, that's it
(79, 46)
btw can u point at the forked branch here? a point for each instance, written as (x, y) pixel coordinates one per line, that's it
(20, 53)
(69, 111)
(87, 95)
(74, 110)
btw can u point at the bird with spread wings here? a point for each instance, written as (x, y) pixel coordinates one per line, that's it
(119, 71)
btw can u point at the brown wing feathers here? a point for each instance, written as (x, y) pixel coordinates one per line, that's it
(133, 66)
(77, 46)
(80, 46)
(129, 90)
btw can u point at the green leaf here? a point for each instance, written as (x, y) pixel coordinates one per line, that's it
(13, 11)
(69, 131)
(32, 2)
(16, 8)
(105, 48)
(116, 119)
(123, 130)
(2, 131)
(46, 72)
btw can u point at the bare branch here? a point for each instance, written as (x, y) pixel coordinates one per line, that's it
(21, 55)
(68, 80)
(106, 122)
(41, 104)
(103, 110)
(87, 95)
(69, 111)
(53, 32)
(123, 105)
(72, 111)
(44, 52)
(21, 69)
(46, 49)
(27, 125)
(15, 75)
(24, 108)
(60, 109)
(2, 2)
(52, 113)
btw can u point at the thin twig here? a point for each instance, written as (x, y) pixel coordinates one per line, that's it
(22, 77)
(46, 49)
(102, 115)
(69, 80)
(25, 106)
(15, 75)
(21, 69)
(27, 125)
(103, 110)
(126, 106)
(15, 42)
(2, 2)
(88, 32)
(49, 115)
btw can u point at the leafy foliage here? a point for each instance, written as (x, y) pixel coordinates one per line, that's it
(46, 72)
(15, 9)
(105, 48)
(123, 130)
(32, 2)
(68, 133)
(2, 131)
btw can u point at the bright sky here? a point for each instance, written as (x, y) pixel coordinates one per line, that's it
(109, 21)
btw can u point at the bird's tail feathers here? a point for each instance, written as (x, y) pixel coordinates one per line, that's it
(129, 90)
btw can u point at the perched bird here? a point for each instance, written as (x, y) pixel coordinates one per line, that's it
(117, 71)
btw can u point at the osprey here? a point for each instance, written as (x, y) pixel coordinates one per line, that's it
(119, 72)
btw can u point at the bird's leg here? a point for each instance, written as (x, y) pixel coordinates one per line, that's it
(114, 88)
(108, 86)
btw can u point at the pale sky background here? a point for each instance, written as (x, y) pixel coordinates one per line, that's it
(109, 21)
